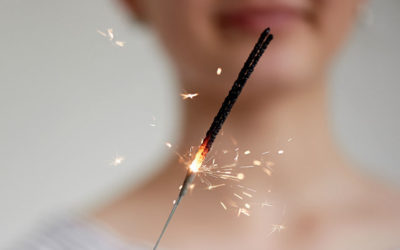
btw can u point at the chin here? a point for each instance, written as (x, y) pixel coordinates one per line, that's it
(289, 63)
(285, 68)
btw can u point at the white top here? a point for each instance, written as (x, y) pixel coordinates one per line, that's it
(73, 233)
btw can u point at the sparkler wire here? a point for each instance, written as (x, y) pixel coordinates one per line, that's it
(219, 119)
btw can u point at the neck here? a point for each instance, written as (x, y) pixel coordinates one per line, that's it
(294, 122)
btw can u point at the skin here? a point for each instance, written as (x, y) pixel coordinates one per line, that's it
(322, 201)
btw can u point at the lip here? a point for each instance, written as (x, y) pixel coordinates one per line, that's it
(253, 19)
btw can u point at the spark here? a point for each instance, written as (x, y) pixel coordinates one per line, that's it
(247, 205)
(237, 156)
(280, 152)
(266, 152)
(219, 71)
(153, 123)
(223, 205)
(238, 196)
(215, 186)
(120, 43)
(290, 139)
(250, 189)
(188, 95)
(256, 163)
(110, 34)
(247, 152)
(267, 171)
(240, 176)
(277, 227)
(117, 161)
(102, 33)
(269, 163)
(250, 166)
(243, 211)
(266, 204)
(168, 144)
(247, 194)
(173, 202)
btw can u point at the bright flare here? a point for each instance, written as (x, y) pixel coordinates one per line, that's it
(186, 96)
(199, 158)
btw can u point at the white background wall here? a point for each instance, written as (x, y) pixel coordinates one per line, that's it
(70, 101)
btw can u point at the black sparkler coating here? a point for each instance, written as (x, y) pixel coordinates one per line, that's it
(219, 119)
(237, 87)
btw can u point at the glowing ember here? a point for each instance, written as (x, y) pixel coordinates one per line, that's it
(247, 152)
(199, 158)
(280, 152)
(219, 71)
(194, 167)
(117, 161)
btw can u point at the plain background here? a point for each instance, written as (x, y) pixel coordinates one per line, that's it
(70, 101)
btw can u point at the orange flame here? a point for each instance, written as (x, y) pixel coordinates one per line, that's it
(199, 157)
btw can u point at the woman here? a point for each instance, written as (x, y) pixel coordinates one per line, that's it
(319, 200)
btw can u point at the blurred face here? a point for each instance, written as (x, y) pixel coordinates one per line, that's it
(202, 35)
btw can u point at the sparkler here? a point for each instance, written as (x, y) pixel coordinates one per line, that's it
(205, 147)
